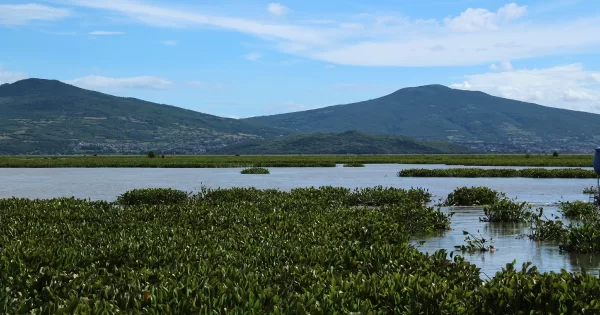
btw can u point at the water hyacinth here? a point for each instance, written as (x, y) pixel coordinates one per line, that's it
(498, 172)
(473, 196)
(255, 170)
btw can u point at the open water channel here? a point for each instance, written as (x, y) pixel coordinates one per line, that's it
(108, 183)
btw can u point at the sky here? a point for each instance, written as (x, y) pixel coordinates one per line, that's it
(243, 58)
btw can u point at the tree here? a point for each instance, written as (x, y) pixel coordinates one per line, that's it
(151, 154)
(555, 154)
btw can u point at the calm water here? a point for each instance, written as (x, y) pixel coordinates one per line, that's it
(108, 183)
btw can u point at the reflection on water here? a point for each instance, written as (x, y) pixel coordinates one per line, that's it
(108, 183)
(510, 244)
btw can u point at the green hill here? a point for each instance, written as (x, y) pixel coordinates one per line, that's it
(51, 117)
(350, 142)
(471, 118)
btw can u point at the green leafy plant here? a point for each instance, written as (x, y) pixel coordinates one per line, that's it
(498, 172)
(577, 209)
(255, 170)
(354, 164)
(475, 244)
(472, 196)
(153, 196)
(507, 210)
(543, 229)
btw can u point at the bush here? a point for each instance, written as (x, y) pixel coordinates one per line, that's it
(554, 154)
(507, 210)
(546, 230)
(584, 238)
(577, 209)
(474, 196)
(151, 154)
(153, 196)
(255, 170)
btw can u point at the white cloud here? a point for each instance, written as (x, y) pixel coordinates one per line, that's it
(473, 20)
(389, 40)
(19, 14)
(277, 9)
(100, 82)
(253, 56)
(567, 86)
(169, 42)
(503, 66)
(105, 33)
(11, 77)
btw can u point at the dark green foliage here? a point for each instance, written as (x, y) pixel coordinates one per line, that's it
(475, 244)
(592, 190)
(354, 164)
(473, 196)
(507, 210)
(349, 142)
(255, 170)
(53, 113)
(555, 154)
(151, 154)
(543, 229)
(438, 112)
(497, 172)
(577, 209)
(583, 238)
(153, 196)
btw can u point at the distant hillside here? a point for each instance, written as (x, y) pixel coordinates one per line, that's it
(351, 142)
(471, 118)
(51, 117)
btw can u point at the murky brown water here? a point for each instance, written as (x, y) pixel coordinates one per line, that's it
(108, 183)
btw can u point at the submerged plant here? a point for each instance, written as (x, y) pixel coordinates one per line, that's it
(473, 196)
(507, 210)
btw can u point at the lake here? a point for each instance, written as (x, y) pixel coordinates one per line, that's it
(108, 183)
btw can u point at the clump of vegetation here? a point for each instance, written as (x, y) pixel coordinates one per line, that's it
(498, 172)
(473, 196)
(354, 164)
(554, 154)
(543, 229)
(255, 170)
(583, 238)
(577, 209)
(590, 190)
(507, 210)
(153, 196)
(151, 154)
(475, 244)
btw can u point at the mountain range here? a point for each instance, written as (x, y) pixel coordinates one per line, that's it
(50, 117)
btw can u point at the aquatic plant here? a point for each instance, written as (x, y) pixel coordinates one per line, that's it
(543, 229)
(475, 244)
(577, 209)
(583, 238)
(255, 170)
(473, 196)
(506, 210)
(497, 172)
(354, 164)
(590, 190)
(152, 196)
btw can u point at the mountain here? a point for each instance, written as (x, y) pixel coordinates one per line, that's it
(470, 118)
(350, 142)
(51, 117)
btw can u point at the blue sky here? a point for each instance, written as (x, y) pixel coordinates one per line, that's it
(244, 58)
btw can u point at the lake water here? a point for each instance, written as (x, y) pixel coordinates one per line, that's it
(108, 183)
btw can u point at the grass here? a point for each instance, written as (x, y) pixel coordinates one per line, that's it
(504, 173)
(205, 161)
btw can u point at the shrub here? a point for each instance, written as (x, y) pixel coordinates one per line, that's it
(153, 196)
(255, 170)
(546, 230)
(577, 209)
(151, 154)
(507, 210)
(554, 154)
(474, 196)
(584, 238)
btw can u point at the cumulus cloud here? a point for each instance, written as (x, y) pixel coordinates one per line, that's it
(277, 9)
(567, 86)
(19, 14)
(473, 20)
(474, 37)
(100, 82)
(106, 33)
(11, 77)
(503, 66)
